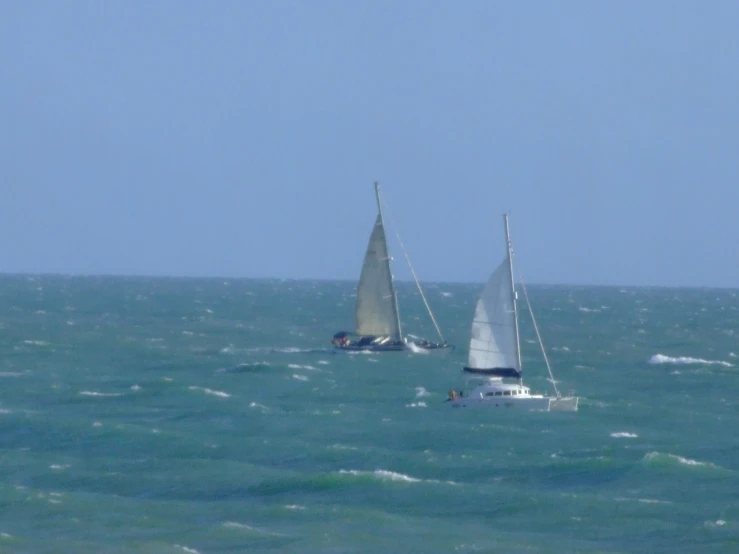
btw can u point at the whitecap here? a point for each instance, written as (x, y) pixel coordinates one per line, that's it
(237, 525)
(187, 549)
(386, 475)
(298, 366)
(300, 377)
(416, 405)
(656, 456)
(383, 474)
(624, 435)
(685, 360)
(94, 393)
(211, 391)
(421, 391)
(717, 523)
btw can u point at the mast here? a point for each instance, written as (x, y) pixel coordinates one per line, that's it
(392, 284)
(509, 253)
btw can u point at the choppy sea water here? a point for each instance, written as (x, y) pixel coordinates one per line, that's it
(203, 416)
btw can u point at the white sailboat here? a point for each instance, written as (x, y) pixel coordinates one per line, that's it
(495, 351)
(378, 326)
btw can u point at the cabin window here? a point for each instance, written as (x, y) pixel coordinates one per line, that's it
(498, 393)
(506, 393)
(489, 394)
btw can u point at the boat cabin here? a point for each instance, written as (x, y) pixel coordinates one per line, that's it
(494, 386)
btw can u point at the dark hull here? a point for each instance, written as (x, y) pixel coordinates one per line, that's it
(392, 347)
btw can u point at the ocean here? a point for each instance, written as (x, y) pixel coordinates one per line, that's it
(166, 415)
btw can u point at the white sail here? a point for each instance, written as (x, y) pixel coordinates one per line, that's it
(377, 310)
(493, 343)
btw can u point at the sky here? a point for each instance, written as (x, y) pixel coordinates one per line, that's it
(242, 138)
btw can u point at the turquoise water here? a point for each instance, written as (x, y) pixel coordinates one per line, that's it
(185, 415)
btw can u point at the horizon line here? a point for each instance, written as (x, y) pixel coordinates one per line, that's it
(334, 279)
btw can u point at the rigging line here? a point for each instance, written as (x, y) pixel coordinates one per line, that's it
(538, 335)
(415, 278)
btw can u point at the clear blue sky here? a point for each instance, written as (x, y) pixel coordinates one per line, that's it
(242, 138)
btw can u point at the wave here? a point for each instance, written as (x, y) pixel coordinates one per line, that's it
(717, 523)
(421, 391)
(211, 392)
(658, 458)
(36, 342)
(382, 474)
(624, 435)
(298, 366)
(685, 360)
(335, 480)
(245, 368)
(416, 405)
(94, 393)
(300, 377)
(290, 350)
(244, 526)
(415, 349)
(187, 549)
(642, 500)
(386, 475)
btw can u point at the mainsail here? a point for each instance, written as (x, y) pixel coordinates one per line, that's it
(377, 308)
(494, 341)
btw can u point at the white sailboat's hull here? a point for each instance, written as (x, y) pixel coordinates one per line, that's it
(564, 404)
(533, 403)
